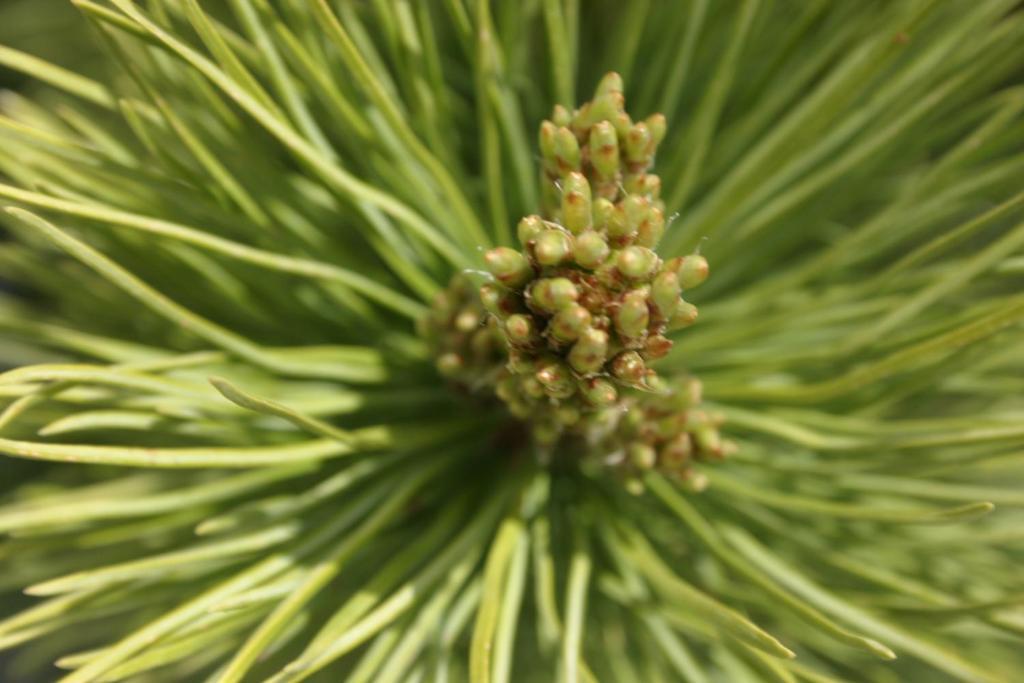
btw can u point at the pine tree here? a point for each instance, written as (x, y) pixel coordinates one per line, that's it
(360, 341)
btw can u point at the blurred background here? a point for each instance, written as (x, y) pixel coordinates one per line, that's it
(45, 28)
(52, 30)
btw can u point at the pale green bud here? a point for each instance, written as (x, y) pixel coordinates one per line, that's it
(468, 319)
(599, 392)
(546, 142)
(509, 266)
(637, 209)
(581, 120)
(636, 262)
(591, 250)
(551, 247)
(560, 116)
(684, 315)
(605, 107)
(608, 275)
(629, 367)
(553, 294)
(520, 330)
(633, 486)
(567, 149)
(449, 364)
(576, 203)
(657, 125)
(529, 228)
(610, 82)
(693, 270)
(557, 380)
(633, 316)
(603, 210)
(619, 231)
(604, 149)
(652, 186)
(708, 440)
(633, 183)
(642, 456)
(494, 299)
(569, 322)
(650, 231)
(589, 352)
(645, 185)
(638, 141)
(623, 124)
(665, 291)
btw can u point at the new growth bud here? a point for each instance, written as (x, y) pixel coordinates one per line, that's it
(529, 228)
(566, 332)
(632, 318)
(692, 271)
(551, 247)
(567, 151)
(600, 392)
(589, 353)
(604, 150)
(569, 323)
(638, 143)
(553, 294)
(520, 330)
(591, 250)
(576, 206)
(665, 291)
(629, 367)
(637, 263)
(509, 266)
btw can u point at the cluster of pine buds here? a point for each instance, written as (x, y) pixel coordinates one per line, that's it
(581, 311)
(468, 344)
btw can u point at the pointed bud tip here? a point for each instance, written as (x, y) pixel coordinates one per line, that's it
(610, 82)
(637, 262)
(693, 270)
(551, 247)
(509, 266)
